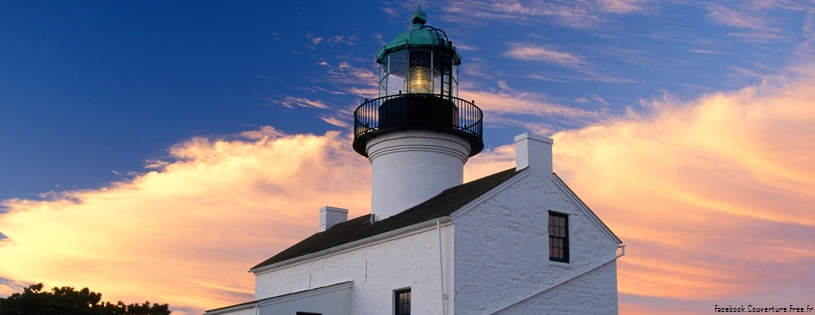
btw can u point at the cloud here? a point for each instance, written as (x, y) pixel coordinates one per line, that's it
(713, 196)
(572, 13)
(539, 53)
(342, 39)
(582, 70)
(291, 101)
(620, 6)
(726, 16)
(185, 233)
(352, 80)
(497, 105)
(335, 121)
(706, 52)
(316, 40)
(600, 99)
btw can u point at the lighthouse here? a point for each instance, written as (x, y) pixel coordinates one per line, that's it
(417, 134)
(433, 244)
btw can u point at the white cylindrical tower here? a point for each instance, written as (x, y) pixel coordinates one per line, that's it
(412, 166)
(418, 134)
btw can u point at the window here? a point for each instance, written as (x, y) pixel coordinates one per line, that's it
(304, 313)
(401, 302)
(558, 237)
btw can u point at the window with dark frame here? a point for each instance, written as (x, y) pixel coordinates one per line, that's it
(401, 302)
(558, 237)
(305, 313)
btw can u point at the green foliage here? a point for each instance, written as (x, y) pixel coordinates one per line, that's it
(68, 301)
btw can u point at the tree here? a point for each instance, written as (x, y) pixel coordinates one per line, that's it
(68, 301)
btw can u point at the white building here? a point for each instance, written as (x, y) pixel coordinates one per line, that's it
(515, 242)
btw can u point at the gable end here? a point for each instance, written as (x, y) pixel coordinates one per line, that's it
(582, 205)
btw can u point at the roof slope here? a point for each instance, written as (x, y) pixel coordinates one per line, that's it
(360, 228)
(243, 305)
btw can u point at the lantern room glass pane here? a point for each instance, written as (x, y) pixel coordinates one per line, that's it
(392, 73)
(396, 82)
(454, 80)
(397, 61)
(418, 71)
(383, 79)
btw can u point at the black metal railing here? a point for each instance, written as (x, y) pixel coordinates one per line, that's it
(418, 111)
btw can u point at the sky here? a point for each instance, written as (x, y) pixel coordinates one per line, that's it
(158, 150)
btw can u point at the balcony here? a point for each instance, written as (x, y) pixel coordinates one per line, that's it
(418, 112)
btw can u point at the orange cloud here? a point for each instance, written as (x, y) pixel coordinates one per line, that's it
(186, 233)
(713, 198)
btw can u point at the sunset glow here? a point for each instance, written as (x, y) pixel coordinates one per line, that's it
(691, 135)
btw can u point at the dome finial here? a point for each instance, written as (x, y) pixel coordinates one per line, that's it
(418, 17)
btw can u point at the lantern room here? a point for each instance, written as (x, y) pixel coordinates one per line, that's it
(418, 90)
(421, 60)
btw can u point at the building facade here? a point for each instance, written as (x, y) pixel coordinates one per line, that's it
(515, 242)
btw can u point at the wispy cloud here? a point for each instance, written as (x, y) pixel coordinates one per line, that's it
(578, 68)
(706, 52)
(336, 39)
(540, 53)
(600, 99)
(724, 15)
(350, 79)
(335, 121)
(621, 6)
(508, 101)
(291, 101)
(575, 13)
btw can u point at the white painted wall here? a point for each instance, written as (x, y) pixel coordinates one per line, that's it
(592, 293)
(502, 249)
(376, 269)
(412, 166)
(334, 300)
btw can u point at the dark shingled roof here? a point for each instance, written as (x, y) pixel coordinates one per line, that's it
(360, 228)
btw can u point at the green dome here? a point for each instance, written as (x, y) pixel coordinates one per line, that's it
(420, 36)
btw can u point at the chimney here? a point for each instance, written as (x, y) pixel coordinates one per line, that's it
(330, 216)
(535, 152)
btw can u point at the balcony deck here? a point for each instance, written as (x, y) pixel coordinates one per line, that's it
(418, 112)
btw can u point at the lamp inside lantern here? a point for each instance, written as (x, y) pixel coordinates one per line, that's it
(419, 81)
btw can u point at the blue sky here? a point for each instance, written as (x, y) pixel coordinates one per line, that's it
(129, 102)
(92, 89)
